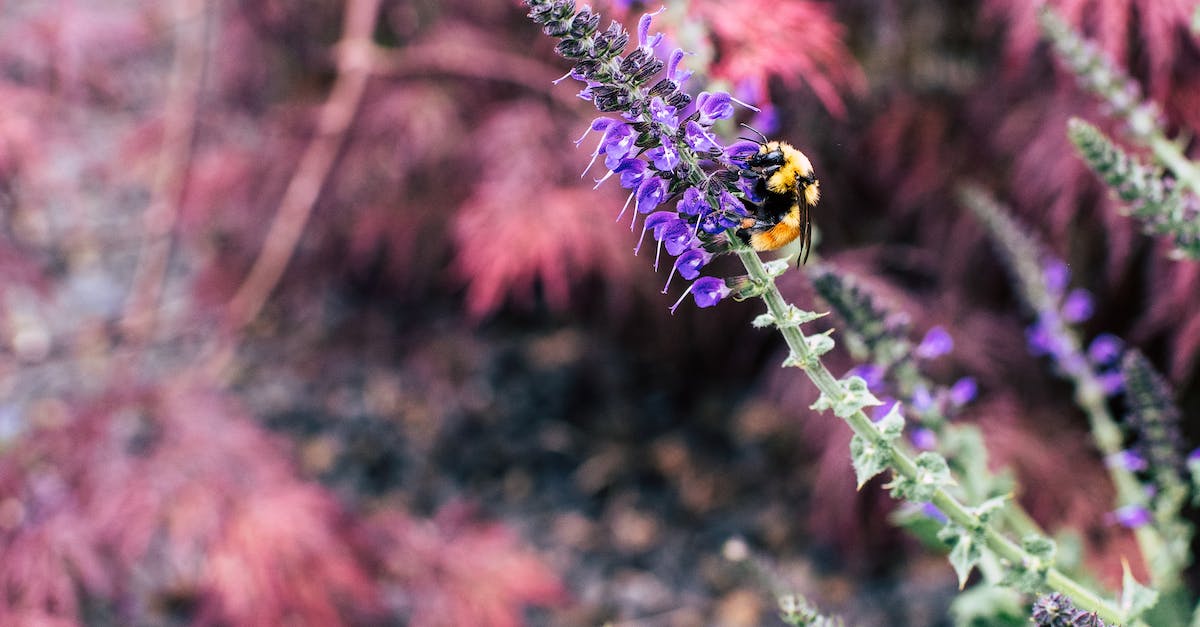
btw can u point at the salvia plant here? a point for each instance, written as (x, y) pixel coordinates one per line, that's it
(1167, 204)
(689, 190)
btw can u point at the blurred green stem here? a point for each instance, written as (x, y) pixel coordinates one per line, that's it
(901, 462)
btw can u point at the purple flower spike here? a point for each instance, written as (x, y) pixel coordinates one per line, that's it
(1056, 275)
(1105, 349)
(1128, 460)
(1131, 516)
(1078, 306)
(1194, 457)
(963, 391)
(935, 344)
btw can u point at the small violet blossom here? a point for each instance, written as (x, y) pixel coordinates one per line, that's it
(1130, 516)
(937, 342)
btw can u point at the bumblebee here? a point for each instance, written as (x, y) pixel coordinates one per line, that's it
(789, 191)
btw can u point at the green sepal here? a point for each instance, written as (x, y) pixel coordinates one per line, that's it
(965, 550)
(892, 423)
(990, 605)
(744, 287)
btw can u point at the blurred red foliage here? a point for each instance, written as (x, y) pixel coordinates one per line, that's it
(135, 489)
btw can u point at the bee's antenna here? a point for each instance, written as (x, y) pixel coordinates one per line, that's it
(756, 132)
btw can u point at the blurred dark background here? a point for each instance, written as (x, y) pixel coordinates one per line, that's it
(307, 317)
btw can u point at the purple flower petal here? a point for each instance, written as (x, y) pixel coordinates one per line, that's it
(1078, 306)
(692, 203)
(963, 391)
(700, 139)
(1111, 382)
(664, 156)
(618, 143)
(650, 193)
(677, 238)
(871, 373)
(1041, 341)
(1056, 275)
(923, 439)
(690, 261)
(933, 512)
(1131, 516)
(937, 342)
(1128, 460)
(713, 107)
(632, 172)
(663, 113)
(922, 400)
(1105, 349)
(886, 403)
(645, 40)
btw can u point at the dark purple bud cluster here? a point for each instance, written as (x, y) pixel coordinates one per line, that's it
(661, 147)
(894, 372)
(1154, 417)
(1056, 610)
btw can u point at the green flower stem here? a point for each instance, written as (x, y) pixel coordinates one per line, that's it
(902, 463)
(1089, 394)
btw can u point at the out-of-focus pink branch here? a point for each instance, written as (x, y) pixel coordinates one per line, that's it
(450, 57)
(191, 18)
(355, 52)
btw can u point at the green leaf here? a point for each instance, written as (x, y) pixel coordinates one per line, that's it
(1135, 598)
(963, 557)
(989, 606)
(857, 397)
(868, 459)
(820, 343)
